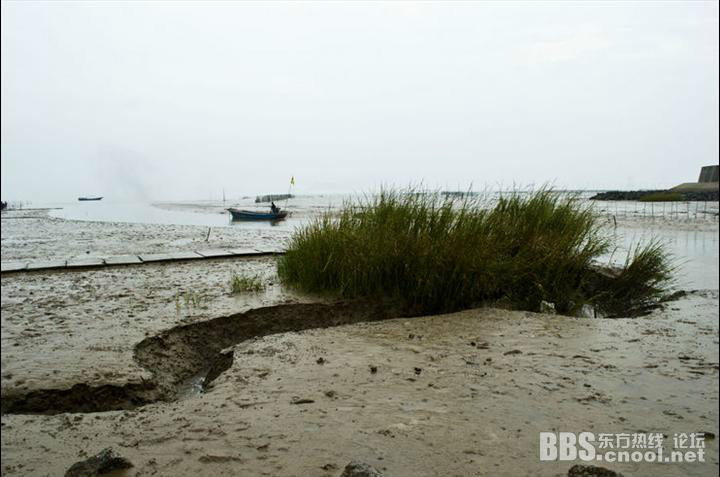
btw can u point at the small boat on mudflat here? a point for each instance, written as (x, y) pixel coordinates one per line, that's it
(239, 214)
(89, 198)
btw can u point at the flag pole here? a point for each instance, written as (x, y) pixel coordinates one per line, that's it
(292, 183)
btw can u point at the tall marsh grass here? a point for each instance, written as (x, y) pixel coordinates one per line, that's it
(441, 253)
(637, 287)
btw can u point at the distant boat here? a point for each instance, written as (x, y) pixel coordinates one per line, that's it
(238, 214)
(89, 198)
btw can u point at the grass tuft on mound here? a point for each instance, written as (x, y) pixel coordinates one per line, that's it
(440, 253)
(639, 285)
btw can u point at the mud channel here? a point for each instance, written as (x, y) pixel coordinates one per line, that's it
(185, 360)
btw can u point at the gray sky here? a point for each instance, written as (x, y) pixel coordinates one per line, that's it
(178, 100)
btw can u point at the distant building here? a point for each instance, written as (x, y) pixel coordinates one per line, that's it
(708, 182)
(709, 174)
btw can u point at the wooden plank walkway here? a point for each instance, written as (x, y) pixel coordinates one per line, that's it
(121, 260)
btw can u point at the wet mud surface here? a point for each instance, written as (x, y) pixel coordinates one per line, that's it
(459, 394)
(35, 236)
(202, 349)
(166, 366)
(64, 328)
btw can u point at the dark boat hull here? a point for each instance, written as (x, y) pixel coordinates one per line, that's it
(238, 214)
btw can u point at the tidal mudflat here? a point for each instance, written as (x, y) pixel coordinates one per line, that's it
(36, 235)
(458, 394)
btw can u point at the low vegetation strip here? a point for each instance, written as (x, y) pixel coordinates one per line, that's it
(663, 197)
(659, 195)
(440, 253)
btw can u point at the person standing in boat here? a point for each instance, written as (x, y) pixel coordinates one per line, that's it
(275, 209)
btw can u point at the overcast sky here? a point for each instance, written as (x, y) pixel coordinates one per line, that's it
(180, 100)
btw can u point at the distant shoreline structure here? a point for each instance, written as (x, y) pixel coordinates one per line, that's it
(704, 190)
(272, 197)
(662, 195)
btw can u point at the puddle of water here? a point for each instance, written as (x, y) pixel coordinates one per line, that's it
(192, 386)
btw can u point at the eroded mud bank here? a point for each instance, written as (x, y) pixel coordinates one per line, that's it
(183, 352)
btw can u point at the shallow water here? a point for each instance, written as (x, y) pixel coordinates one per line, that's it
(192, 386)
(149, 214)
(685, 228)
(695, 252)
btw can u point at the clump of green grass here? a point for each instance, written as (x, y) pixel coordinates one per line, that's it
(662, 197)
(245, 283)
(189, 298)
(637, 287)
(440, 253)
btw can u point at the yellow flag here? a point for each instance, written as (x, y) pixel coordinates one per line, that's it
(292, 180)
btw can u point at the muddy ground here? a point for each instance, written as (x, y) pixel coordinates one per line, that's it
(60, 328)
(34, 235)
(459, 394)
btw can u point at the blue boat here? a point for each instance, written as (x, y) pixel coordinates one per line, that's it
(239, 214)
